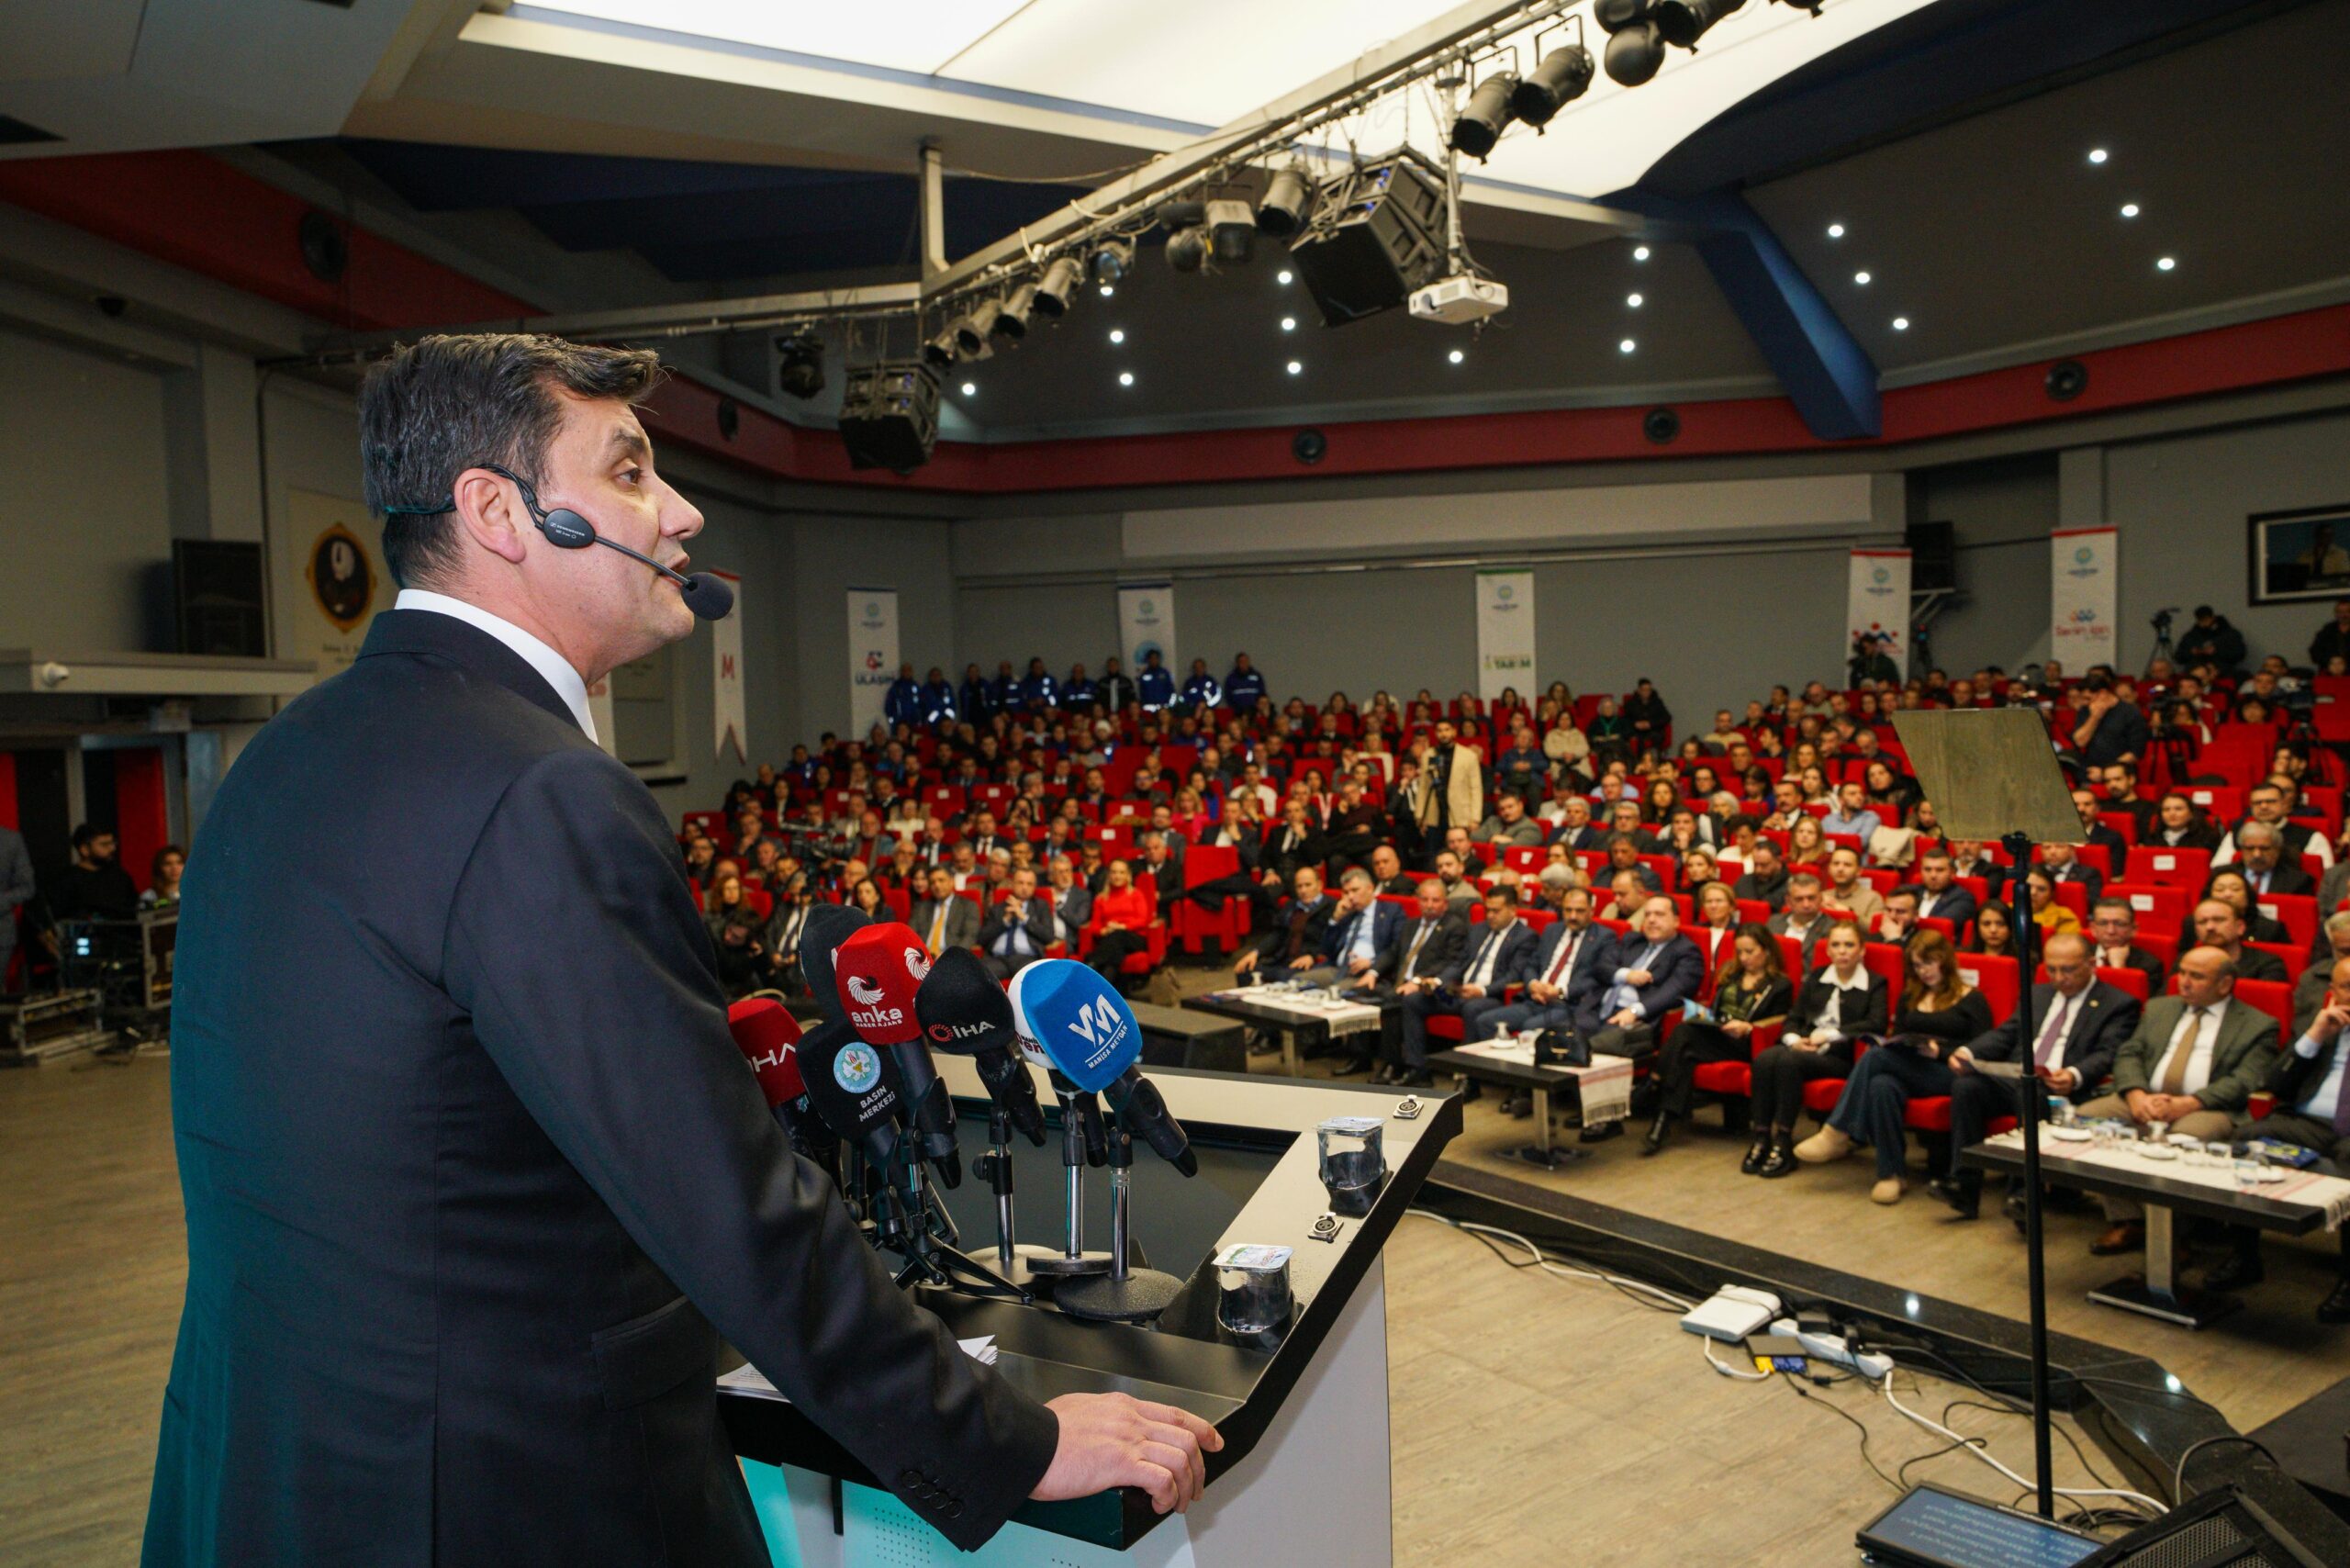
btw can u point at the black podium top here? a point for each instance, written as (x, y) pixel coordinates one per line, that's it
(1187, 1360)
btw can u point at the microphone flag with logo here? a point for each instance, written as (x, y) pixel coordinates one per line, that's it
(962, 1010)
(1088, 1032)
(877, 970)
(768, 1038)
(827, 926)
(852, 1087)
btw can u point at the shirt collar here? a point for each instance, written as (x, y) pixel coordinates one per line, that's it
(551, 666)
(1860, 981)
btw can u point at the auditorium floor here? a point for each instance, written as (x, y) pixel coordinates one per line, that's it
(1528, 1412)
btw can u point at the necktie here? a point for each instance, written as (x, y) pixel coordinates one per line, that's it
(1565, 960)
(1297, 919)
(2054, 1033)
(2182, 1046)
(1419, 940)
(938, 929)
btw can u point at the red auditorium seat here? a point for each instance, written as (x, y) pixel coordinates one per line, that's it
(2157, 907)
(2297, 913)
(1995, 976)
(2168, 868)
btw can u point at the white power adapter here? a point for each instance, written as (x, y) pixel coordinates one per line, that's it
(1734, 1312)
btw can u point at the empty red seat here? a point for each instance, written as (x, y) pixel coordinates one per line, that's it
(2168, 868)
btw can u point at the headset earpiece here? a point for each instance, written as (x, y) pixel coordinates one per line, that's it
(567, 528)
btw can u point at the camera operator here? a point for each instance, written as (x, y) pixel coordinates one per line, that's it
(2108, 730)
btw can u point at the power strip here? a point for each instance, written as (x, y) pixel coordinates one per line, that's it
(1874, 1365)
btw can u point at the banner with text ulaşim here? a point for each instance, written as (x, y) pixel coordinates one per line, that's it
(2081, 573)
(872, 654)
(1505, 632)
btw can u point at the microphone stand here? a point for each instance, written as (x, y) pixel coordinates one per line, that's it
(1012, 1260)
(1124, 1295)
(1081, 1134)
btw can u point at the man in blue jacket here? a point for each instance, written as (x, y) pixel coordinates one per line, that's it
(1038, 689)
(1079, 692)
(1155, 686)
(938, 699)
(1245, 686)
(901, 704)
(1201, 691)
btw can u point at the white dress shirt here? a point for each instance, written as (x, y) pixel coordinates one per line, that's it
(556, 670)
(1831, 1021)
(2322, 1100)
(1480, 973)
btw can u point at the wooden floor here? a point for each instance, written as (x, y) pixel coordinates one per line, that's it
(1528, 1413)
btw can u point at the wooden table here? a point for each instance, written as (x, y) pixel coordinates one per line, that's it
(1540, 1081)
(2156, 1293)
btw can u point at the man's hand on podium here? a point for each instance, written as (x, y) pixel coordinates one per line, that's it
(1115, 1440)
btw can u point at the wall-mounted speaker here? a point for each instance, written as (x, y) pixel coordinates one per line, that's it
(1662, 426)
(2067, 379)
(1308, 445)
(1933, 556)
(325, 250)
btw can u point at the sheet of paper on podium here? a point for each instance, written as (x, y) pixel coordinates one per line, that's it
(748, 1379)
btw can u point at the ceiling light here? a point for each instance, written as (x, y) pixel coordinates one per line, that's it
(970, 388)
(1901, 324)
(1289, 323)
(1488, 115)
(1288, 197)
(1187, 248)
(1563, 76)
(1633, 300)
(1283, 276)
(1635, 55)
(2129, 210)
(1058, 284)
(1117, 334)
(799, 364)
(1626, 346)
(2166, 264)
(1456, 356)
(1232, 229)
(1861, 278)
(1126, 378)
(1111, 260)
(1639, 253)
(1835, 232)
(1683, 22)
(2097, 154)
(1295, 368)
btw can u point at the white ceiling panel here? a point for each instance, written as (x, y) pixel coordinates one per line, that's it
(898, 35)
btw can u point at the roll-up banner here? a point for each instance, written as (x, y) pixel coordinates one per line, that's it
(1147, 621)
(1505, 632)
(2081, 573)
(872, 654)
(728, 726)
(1878, 602)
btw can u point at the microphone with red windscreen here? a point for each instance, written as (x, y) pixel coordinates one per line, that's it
(768, 1037)
(878, 971)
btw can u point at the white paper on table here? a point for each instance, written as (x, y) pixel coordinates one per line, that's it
(748, 1379)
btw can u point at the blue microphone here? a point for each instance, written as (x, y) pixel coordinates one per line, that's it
(1083, 1027)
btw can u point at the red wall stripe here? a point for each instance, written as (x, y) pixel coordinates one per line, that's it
(191, 209)
(141, 817)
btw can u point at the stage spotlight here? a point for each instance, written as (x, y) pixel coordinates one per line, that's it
(1232, 232)
(1187, 248)
(1683, 22)
(1635, 55)
(1488, 115)
(943, 350)
(1286, 203)
(1058, 287)
(1111, 259)
(971, 331)
(1563, 76)
(1012, 320)
(799, 364)
(1615, 15)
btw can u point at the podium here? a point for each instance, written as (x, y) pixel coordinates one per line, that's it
(1302, 1479)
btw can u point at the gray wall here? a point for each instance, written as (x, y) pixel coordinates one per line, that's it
(2000, 512)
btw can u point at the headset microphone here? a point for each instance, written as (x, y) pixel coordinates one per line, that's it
(963, 1011)
(1086, 1030)
(878, 971)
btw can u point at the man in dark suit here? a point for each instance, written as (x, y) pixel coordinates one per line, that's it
(1416, 956)
(1017, 929)
(942, 917)
(475, 1177)
(2113, 942)
(1569, 959)
(1764, 879)
(1804, 918)
(2065, 867)
(2259, 850)
(1072, 904)
(1290, 934)
(1498, 955)
(2311, 1083)
(1361, 928)
(2218, 923)
(1387, 871)
(2079, 1023)
(1117, 687)
(1941, 896)
(1657, 969)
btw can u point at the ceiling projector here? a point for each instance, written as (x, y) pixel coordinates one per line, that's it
(1455, 300)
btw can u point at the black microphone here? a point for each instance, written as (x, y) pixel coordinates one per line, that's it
(827, 926)
(852, 1088)
(962, 1009)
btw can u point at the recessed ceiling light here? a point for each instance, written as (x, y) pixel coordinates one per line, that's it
(1126, 378)
(1283, 277)
(2129, 210)
(2166, 264)
(1289, 323)
(2097, 154)
(1861, 278)
(1626, 346)
(970, 388)
(1639, 253)
(1456, 356)
(1901, 324)
(1633, 300)
(1107, 291)
(1295, 368)
(1835, 232)
(1117, 334)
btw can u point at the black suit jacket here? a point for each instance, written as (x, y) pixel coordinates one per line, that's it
(1436, 955)
(475, 1178)
(2104, 1017)
(1955, 904)
(2295, 1075)
(1037, 916)
(1512, 966)
(2292, 880)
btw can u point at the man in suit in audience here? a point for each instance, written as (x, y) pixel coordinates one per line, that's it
(1764, 879)
(2192, 1062)
(945, 918)
(1387, 871)
(1575, 829)
(1463, 848)
(1117, 687)
(2309, 991)
(2218, 925)
(1940, 895)
(1569, 959)
(2311, 1085)
(1017, 929)
(1073, 901)
(983, 838)
(2066, 867)
(1362, 927)
(1415, 958)
(1162, 859)
(1500, 954)
(2079, 1023)
(2259, 851)
(1290, 934)
(1656, 969)
(1804, 918)
(2271, 802)
(2113, 942)
(1510, 826)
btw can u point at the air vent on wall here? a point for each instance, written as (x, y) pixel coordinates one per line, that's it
(15, 132)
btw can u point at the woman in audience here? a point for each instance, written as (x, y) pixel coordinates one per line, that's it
(1816, 791)
(1716, 922)
(2228, 885)
(1752, 993)
(2052, 918)
(1191, 818)
(1705, 781)
(866, 897)
(725, 896)
(1610, 733)
(1121, 913)
(1840, 1002)
(1991, 932)
(1807, 841)
(1940, 1012)
(163, 874)
(2179, 823)
(1657, 801)
(1889, 790)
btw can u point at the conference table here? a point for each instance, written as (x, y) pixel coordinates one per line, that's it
(1314, 1018)
(2293, 1202)
(1603, 1087)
